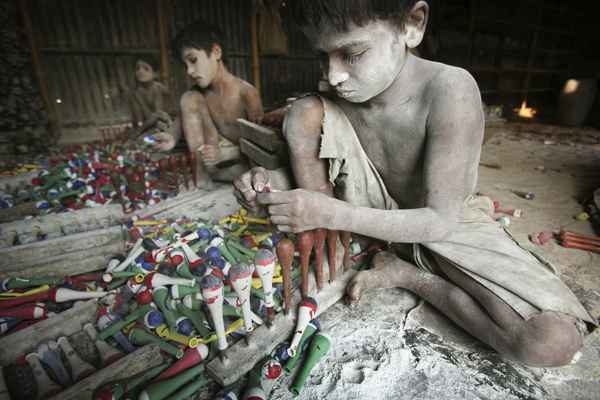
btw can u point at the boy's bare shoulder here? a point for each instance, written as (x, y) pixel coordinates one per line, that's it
(446, 81)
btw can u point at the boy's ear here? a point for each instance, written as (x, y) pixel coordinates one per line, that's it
(155, 74)
(217, 51)
(414, 24)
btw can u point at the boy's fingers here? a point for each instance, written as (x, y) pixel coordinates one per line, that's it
(260, 177)
(274, 198)
(278, 209)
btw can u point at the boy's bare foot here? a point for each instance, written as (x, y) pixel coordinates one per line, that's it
(386, 271)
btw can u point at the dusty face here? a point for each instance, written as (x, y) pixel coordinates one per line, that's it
(362, 62)
(143, 72)
(202, 68)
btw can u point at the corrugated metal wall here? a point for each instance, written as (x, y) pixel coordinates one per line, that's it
(88, 48)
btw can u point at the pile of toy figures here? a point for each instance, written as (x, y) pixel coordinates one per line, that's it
(184, 283)
(91, 175)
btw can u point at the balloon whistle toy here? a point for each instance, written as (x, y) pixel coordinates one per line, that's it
(79, 368)
(319, 346)
(264, 262)
(241, 280)
(320, 234)
(285, 254)
(191, 358)
(108, 354)
(46, 387)
(49, 354)
(305, 244)
(212, 293)
(306, 312)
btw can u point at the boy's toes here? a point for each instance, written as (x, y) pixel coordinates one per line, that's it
(355, 289)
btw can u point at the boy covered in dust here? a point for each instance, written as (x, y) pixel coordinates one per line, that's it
(149, 97)
(394, 157)
(210, 109)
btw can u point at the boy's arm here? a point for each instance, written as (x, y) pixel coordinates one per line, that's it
(253, 108)
(252, 102)
(454, 134)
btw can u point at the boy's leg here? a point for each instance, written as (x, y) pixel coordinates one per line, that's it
(198, 129)
(547, 339)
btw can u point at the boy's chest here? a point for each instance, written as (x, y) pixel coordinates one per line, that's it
(224, 113)
(394, 142)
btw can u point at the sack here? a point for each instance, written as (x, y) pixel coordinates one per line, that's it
(271, 36)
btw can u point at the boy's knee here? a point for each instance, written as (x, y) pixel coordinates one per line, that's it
(548, 340)
(303, 120)
(192, 100)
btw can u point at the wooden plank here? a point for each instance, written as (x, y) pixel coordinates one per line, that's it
(261, 135)
(15, 212)
(137, 362)
(64, 324)
(77, 262)
(62, 245)
(46, 223)
(242, 358)
(262, 157)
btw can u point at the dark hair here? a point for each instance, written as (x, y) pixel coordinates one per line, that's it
(148, 59)
(200, 35)
(318, 13)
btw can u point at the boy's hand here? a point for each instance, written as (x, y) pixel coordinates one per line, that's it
(299, 210)
(246, 187)
(164, 142)
(211, 155)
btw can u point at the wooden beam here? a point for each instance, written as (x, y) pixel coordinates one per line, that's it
(39, 71)
(135, 363)
(77, 262)
(49, 248)
(162, 40)
(64, 324)
(254, 38)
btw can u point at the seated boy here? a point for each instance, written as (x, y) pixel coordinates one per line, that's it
(399, 148)
(149, 97)
(210, 109)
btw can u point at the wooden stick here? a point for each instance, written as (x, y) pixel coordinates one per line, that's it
(128, 171)
(141, 172)
(162, 40)
(162, 165)
(319, 234)
(573, 235)
(114, 178)
(332, 237)
(576, 245)
(305, 244)
(38, 69)
(577, 239)
(192, 158)
(285, 254)
(173, 163)
(346, 240)
(184, 166)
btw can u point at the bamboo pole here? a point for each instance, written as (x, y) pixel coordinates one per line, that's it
(254, 38)
(162, 38)
(39, 71)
